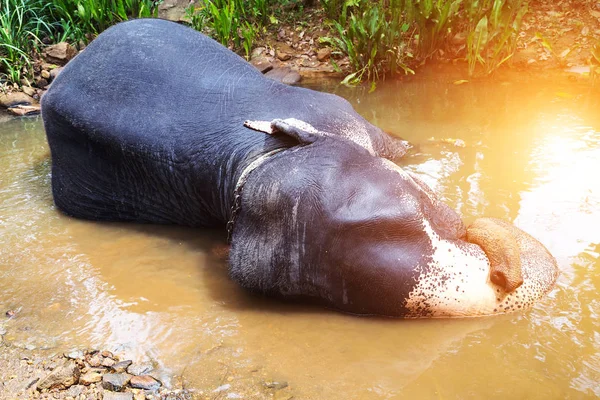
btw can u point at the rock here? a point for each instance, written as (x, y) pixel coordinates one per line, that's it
(48, 66)
(309, 63)
(284, 75)
(140, 369)
(108, 362)
(41, 82)
(54, 73)
(275, 385)
(21, 111)
(75, 390)
(59, 53)
(261, 64)
(74, 354)
(324, 54)
(8, 100)
(29, 91)
(145, 382)
(107, 353)
(115, 382)
(284, 52)
(581, 69)
(92, 376)
(138, 394)
(121, 366)
(283, 56)
(61, 377)
(118, 396)
(173, 10)
(95, 360)
(45, 74)
(283, 396)
(257, 52)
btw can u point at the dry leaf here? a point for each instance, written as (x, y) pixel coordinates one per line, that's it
(585, 31)
(564, 53)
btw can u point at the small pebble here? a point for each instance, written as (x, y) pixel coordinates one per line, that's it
(74, 354)
(275, 385)
(108, 362)
(118, 396)
(115, 382)
(95, 360)
(145, 382)
(121, 366)
(140, 369)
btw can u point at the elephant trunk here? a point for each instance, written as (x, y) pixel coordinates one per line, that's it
(502, 250)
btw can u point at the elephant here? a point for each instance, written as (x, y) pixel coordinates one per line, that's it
(156, 123)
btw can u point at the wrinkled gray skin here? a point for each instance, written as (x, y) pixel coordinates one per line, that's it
(147, 125)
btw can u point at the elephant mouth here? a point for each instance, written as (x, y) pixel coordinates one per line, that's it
(505, 271)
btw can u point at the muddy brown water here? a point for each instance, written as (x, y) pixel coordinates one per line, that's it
(531, 155)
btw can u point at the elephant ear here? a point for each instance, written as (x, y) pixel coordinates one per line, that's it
(302, 131)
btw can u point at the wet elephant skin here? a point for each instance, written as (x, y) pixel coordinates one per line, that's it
(147, 125)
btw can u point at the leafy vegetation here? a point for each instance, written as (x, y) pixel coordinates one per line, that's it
(434, 21)
(379, 37)
(493, 29)
(80, 18)
(21, 24)
(382, 37)
(234, 23)
(374, 40)
(24, 24)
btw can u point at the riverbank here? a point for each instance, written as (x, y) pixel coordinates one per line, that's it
(35, 369)
(42, 371)
(32, 373)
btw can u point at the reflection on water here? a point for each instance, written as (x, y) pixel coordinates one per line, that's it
(531, 155)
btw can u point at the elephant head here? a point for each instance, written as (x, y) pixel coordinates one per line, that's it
(327, 221)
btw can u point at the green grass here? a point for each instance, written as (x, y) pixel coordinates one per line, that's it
(22, 22)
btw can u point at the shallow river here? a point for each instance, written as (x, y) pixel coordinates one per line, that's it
(531, 155)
